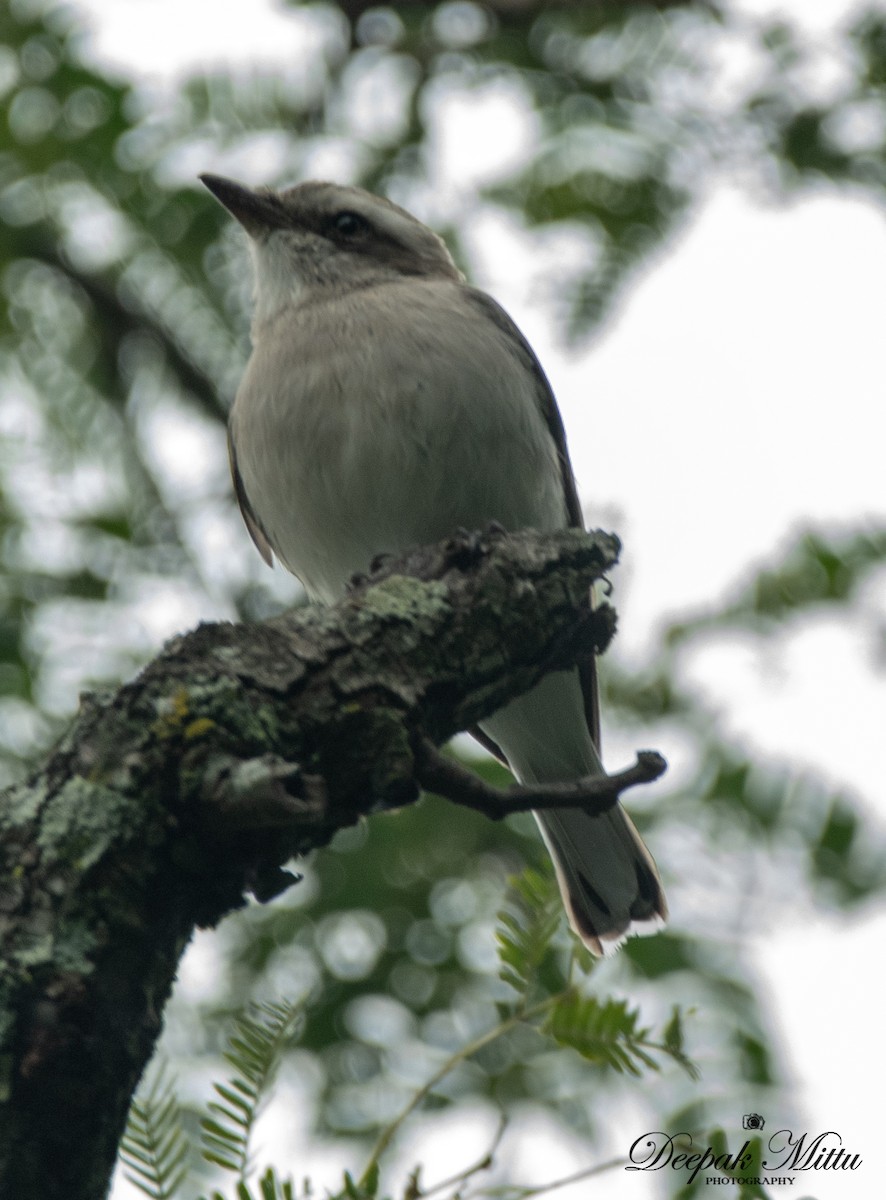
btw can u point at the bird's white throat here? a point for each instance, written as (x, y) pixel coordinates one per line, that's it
(278, 284)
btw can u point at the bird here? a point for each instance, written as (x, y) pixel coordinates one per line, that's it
(386, 403)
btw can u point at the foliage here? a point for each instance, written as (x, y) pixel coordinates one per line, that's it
(607, 1033)
(254, 1051)
(526, 926)
(115, 330)
(154, 1147)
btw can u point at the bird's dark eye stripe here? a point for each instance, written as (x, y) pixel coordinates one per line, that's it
(349, 224)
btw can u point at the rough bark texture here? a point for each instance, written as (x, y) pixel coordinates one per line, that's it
(237, 748)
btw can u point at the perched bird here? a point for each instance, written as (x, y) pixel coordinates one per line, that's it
(386, 404)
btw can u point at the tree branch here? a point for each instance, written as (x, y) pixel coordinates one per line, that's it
(238, 748)
(595, 794)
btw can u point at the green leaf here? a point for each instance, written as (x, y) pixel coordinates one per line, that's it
(370, 1180)
(527, 922)
(154, 1146)
(607, 1032)
(254, 1050)
(816, 570)
(673, 1032)
(602, 1032)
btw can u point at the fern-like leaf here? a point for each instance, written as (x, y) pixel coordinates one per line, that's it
(747, 1185)
(608, 1032)
(255, 1049)
(527, 923)
(366, 1189)
(154, 1146)
(273, 1188)
(674, 1043)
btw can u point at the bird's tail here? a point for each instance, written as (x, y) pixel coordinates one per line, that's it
(608, 879)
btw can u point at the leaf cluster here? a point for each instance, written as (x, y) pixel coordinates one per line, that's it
(606, 1033)
(254, 1051)
(122, 323)
(154, 1147)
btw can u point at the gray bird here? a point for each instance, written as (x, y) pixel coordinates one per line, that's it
(386, 404)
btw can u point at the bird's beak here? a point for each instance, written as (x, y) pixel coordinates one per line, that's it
(257, 212)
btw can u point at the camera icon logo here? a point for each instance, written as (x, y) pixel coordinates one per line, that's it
(752, 1121)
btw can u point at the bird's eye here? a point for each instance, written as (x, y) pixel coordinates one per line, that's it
(349, 224)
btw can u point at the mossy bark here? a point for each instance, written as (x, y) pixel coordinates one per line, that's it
(238, 748)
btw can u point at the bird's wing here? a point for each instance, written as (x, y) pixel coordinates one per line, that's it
(551, 415)
(252, 522)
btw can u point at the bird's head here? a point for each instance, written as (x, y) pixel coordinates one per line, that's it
(324, 237)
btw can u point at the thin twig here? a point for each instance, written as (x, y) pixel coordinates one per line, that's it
(482, 1164)
(594, 794)
(524, 1193)
(465, 1052)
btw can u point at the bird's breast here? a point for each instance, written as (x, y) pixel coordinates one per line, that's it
(377, 423)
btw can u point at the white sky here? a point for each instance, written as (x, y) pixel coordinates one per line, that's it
(739, 394)
(752, 436)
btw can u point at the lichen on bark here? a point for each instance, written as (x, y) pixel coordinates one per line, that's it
(238, 747)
